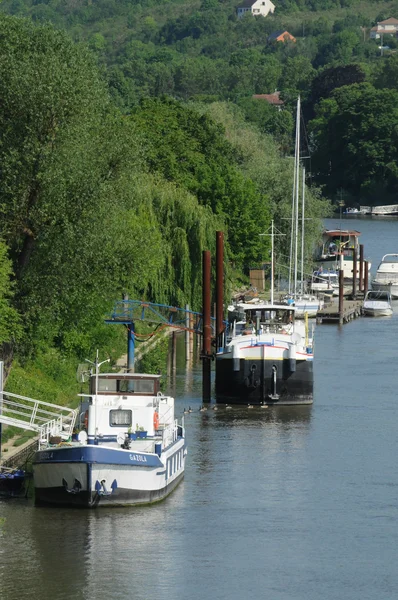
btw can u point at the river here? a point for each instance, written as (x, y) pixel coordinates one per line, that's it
(282, 504)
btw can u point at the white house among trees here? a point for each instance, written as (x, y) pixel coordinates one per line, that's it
(389, 27)
(256, 7)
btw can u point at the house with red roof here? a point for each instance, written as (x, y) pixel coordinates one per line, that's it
(281, 36)
(387, 27)
(273, 99)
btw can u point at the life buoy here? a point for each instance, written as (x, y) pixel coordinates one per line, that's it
(86, 420)
(156, 420)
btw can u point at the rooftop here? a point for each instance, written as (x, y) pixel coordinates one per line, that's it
(246, 3)
(271, 98)
(390, 21)
(275, 34)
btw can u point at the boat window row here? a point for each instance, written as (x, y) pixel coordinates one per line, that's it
(175, 463)
(267, 316)
(126, 386)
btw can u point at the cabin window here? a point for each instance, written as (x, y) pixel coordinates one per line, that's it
(107, 385)
(138, 386)
(144, 386)
(120, 418)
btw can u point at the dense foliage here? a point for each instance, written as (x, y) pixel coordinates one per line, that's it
(95, 203)
(125, 146)
(201, 51)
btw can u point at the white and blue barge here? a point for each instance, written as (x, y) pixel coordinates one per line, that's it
(130, 449)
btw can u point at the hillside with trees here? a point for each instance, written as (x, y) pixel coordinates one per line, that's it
(127, 126)
(201, 52)
(96, 203)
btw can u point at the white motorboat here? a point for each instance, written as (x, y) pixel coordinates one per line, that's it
(386, 278)
(377, 304)
(130, 450)
(324, 282)
(305, 305)
(336, 251)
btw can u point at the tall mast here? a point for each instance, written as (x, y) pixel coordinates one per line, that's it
(293, 223)
(272, 261)
(272, 234)
(302, 233)
(296, 203)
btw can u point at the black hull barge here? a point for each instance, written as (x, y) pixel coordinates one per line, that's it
(267, 359)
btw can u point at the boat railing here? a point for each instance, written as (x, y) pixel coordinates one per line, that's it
(170, 433)
(36, 415)
(386, 277)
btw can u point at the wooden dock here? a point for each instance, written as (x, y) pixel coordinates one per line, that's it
(330, 312)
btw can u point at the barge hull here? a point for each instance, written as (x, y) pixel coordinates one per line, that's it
(91, 498)
(254, 382)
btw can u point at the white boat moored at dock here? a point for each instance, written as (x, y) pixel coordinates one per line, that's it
(131, 449)
(387, 275)
(377, 304)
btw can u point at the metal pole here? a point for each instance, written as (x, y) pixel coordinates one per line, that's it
(293, 222)
(187, 332)
(191, 326)
(130, 347)
(361, 267)
(206, 348)
(366, 276)
(272, 262)
(219, 289)
(297, 195)
(341, 296)
(354, 273)
(1, 396)
(174, 352)
(302, 234)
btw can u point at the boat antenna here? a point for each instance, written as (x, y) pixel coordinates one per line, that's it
(97, 365)
(302, 234)
(272, 234)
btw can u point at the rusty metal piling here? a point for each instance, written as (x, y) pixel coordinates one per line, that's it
(206, 344)
(219, 289)
(341, 296)
(366, 277)
(361, 267)
(354, 273)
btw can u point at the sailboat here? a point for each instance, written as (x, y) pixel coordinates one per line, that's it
(305, 304)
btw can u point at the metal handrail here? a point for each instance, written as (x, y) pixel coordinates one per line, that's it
(33, 415)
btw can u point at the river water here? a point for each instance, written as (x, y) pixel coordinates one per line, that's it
(287, 504)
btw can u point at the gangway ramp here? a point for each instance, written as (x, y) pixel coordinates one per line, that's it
(48, 420)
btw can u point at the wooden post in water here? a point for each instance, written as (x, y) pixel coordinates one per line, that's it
(366, 277)
(354, 273)
(206, 312)
(341, 296)
(361, 267)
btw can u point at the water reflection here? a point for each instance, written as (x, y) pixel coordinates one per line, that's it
(257, 416)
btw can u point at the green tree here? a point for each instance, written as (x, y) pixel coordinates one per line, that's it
(10, 323)
(356, 139)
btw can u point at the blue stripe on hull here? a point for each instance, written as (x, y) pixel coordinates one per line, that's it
(96, 454)
(120, 497)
